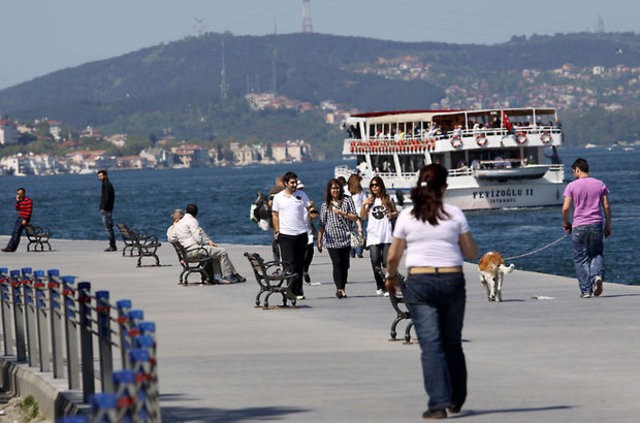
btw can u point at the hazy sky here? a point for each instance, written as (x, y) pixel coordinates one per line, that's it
(41, 36)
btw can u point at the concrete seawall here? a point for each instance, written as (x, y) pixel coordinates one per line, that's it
(561, 359)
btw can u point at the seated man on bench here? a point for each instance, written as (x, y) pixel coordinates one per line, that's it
(191, 236)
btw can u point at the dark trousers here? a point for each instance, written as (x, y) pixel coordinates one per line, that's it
(340, 260)
(107, 221)
(308, 257)
(378, 254)
(292, 250)
(18, 227)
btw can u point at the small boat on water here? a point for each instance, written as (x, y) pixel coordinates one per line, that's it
(497, 158)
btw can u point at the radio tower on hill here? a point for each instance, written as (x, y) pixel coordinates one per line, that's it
(307, 26)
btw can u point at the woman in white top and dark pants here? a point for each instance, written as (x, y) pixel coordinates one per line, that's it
(378, 209)
(437, 237)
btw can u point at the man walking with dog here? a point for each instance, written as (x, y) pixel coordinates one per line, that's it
(590, 202)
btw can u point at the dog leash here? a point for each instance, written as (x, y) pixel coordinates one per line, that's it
(538, 249)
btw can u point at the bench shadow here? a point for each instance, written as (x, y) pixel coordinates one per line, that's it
(473, 413)
(214, 415)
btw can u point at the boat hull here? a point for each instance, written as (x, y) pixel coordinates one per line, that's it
(500, 196)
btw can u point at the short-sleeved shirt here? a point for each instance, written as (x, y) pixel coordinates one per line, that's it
(378, 224)
(429, 245)
(586, 194)
(337, 228)
(291, 211)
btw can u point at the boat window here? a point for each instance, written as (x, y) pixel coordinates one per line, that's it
(411, 164)
(383, 164)
(458, 160)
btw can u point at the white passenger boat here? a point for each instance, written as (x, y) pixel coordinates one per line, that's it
(497, 158)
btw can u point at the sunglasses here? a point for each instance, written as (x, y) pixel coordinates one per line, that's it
(374, 185)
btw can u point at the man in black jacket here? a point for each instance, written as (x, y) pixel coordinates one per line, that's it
(106, 208)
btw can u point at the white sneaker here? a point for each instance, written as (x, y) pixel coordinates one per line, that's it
(597, 291)
(379, 292)
(386, 294)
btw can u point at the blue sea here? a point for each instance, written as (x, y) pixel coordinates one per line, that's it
(68, 205)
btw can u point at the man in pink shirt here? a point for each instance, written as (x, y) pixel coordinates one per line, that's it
(590, 198)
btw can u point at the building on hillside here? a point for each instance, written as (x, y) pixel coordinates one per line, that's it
(9, 134)
(55, 129)
(119, 140)
(291, 151)
(87, 161)
(190, 155)
(131, 162)
(16, 164)
(158, 157)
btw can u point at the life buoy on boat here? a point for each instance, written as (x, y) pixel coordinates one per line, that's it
(456, 141)
(545, 137)
(431, 144)
(521, 137)
(481, 139)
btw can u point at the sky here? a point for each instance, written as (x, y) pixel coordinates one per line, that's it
(42, 36)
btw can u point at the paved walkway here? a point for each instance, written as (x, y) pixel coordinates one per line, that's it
(563, 359)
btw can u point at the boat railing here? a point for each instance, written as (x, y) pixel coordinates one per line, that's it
(426, 142)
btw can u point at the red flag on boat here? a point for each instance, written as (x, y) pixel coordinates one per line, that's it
(506, 123)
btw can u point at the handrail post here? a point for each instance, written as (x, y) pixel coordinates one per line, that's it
(70, 316)
(41, 317)
(6, 311)
(141, 365)
(147, 341)
(134, 317)
(18, 315)
(124, 382)
(86, 340)
(55, 308)
(123, 307)
(103, 310)
(30, 315)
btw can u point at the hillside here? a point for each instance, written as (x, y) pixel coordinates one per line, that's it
(178, 85)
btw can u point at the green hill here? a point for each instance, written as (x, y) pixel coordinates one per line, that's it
(178, 85)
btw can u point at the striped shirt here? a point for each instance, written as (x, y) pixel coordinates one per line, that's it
(25, 208)
(337, 228)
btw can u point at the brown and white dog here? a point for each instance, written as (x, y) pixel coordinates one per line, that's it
(492, 270)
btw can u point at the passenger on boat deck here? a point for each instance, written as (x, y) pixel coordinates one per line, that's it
(476, 127)
(475, 164)
(363, 169)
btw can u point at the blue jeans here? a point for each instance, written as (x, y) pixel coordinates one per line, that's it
(16, 234)
(107, 221)
(588, 254)
(436, 303)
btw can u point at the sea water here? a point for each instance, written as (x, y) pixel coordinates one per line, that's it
(69, 206)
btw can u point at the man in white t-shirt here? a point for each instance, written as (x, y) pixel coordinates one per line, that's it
(290, 228)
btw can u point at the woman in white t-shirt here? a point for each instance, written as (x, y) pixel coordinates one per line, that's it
(436, 236)
(378, 209)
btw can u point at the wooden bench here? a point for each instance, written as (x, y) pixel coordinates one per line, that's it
(140, 243)
(128, 237)
(271, 278)
(38, 237)
(402, 313)
(197, 264)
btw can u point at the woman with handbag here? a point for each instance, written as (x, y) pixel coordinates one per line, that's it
(337, 223)
(379, 210)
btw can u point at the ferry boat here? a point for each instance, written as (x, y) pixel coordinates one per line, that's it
(497, 158)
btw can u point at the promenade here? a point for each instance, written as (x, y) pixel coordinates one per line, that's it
(560, 359)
